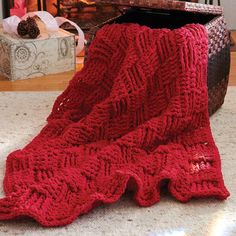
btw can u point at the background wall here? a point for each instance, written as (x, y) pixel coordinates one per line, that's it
(229, 12)
(229, 9)
(0, 9)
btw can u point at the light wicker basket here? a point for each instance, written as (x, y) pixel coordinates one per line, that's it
(174, 14)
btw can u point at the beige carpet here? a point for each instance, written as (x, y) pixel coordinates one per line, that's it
(22, 115)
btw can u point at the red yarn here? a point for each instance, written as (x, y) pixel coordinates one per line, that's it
(137, 111)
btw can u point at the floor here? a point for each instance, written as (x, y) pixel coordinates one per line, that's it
(21, 120)
(59, 82)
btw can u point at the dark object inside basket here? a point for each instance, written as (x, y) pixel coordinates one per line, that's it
(163, 19)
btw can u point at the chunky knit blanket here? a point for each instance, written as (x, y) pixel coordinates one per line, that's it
(137, 114)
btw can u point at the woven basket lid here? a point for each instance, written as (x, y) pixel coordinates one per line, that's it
(166, 5)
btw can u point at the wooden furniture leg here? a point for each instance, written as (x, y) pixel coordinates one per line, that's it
(39, 5)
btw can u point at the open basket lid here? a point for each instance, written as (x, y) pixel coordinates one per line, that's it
(166, 5)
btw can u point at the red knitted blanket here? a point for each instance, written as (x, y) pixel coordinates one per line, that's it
(137, 114)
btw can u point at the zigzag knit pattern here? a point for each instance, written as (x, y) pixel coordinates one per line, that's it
(137, 114)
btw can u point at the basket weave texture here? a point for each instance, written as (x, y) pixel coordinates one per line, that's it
(218, 35)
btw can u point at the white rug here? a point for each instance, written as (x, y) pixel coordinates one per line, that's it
(22, 115)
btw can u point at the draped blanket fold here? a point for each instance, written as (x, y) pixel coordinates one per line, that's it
(137, 114)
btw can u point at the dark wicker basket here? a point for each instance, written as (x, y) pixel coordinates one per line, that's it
(174, 14)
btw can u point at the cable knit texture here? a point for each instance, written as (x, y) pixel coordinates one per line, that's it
(137, 114)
